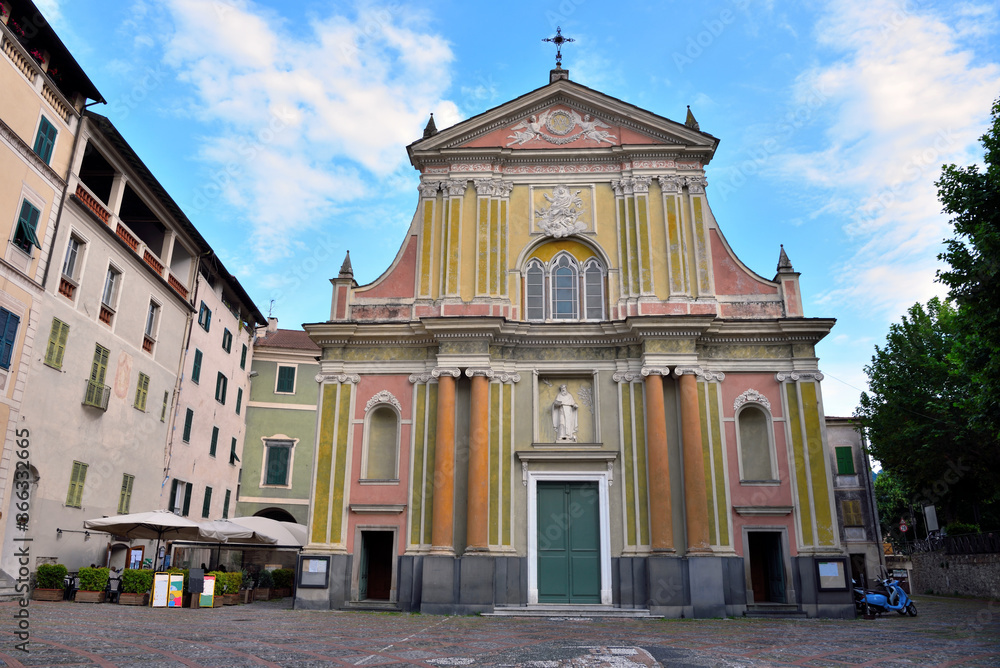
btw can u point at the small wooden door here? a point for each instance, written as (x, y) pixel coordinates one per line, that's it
(375, 567)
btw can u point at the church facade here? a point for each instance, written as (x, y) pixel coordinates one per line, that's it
(567, 390)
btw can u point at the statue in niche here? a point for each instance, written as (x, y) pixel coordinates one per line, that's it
(564, 419)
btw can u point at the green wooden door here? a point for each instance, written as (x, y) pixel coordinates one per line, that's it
(569, 546)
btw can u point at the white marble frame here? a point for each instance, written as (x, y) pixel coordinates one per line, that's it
(601, 478)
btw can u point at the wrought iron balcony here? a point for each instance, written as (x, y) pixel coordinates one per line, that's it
(97, 395)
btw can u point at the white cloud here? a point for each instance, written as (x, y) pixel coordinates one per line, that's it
(908, 96)
(304, 119)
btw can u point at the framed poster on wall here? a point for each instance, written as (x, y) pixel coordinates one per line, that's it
(831, 574)
(314, 572)
(135, 555)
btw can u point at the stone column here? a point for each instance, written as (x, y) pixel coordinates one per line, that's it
(660, 516)
(443, 522)
(695, 496)
(477, 527)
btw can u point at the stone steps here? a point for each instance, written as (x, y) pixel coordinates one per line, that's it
(774, 611)
(569, 611)
(372, 606)
(7, 590)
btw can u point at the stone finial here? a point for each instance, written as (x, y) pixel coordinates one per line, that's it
(557, 74)
(430, 129)
(690, 120)
(784, 264)
(346, 271)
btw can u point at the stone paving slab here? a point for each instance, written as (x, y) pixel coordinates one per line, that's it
(948, 632)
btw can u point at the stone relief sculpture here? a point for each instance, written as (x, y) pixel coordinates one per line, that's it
(588, 129)
(562, 217)
(560, 127)
(564, 418)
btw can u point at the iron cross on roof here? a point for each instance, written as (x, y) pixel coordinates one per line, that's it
(559, 40)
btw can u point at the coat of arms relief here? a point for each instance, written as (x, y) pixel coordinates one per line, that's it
(561, 126)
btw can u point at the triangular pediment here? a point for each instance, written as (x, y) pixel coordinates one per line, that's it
(566, 115)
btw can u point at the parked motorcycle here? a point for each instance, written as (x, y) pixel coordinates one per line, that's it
(893, 598)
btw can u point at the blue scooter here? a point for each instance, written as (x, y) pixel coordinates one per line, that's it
(894, 598)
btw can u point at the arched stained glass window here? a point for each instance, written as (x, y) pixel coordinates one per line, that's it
(565, 300)
(560, 290)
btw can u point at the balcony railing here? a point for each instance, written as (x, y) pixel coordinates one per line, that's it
(147, 344)
(127, 237)
(106, 315)
(178, 286)
(153, 262)
(97, 395)
(91, 203)
(66, 289)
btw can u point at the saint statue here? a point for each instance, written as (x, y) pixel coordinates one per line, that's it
(564, 410)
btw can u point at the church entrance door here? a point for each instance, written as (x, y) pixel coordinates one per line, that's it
(375, 568)
(767, 567)
(569, 546)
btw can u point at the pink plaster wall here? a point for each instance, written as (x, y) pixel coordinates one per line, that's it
(755, 495)
(501, 136)
(398, 281)
(730, 277)
(402, 389)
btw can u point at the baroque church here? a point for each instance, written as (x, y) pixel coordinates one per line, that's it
(568, 392)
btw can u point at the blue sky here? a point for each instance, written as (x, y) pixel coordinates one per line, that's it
(280, 127)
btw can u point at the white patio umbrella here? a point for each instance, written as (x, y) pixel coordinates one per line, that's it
(287, 534)
(158, 524)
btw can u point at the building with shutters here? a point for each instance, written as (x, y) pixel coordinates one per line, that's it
(567, 389)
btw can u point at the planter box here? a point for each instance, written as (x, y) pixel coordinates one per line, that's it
(281, 592)
(133, 599)
(89, 596)
(48, 594)
(262, 593)
(231, 599)
(217, 602)
(246, 596)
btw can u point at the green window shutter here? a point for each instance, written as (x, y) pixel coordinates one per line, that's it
(243, 357)
(74, 496)
(187, 499)
(27, 223)
(852, 513)
(221, 383)
(163, 410)
(196, 368)
(45, 140)
(239, 399)
(225, 505)
(227, 340)
(8, 331)
(215, 441)
(173, 495)
(56, 348)
(845, 460)
(277, 465)
(188, 419)
(125, 500)
(99, 368)
(141, 391)
(232, 452)
(286, 379)
(206, 506)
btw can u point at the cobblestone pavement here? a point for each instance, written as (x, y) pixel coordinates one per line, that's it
(948, 632)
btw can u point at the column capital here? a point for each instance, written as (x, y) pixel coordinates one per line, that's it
(655, 371)
(624, 376)
(481, 371)
(795, 376)
(640, 184)
(454, 187)
(420, 377)
(507, 376)
(687, 370)
(695, 184)
(338, 378)
(429, 188)
(446, 371)
(670, 183)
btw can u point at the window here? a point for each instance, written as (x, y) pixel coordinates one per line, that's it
(225, 505)
(243, 357)
(277, 461)
(221, 382)
(109, 297)
(45, 140)
(196, 367)
(188, 420)
(206, 505)
(73, 249)
(239, 399)
(97, 392)
(27, 225)
(8, 331)
(163, 410)
(125, 498)
(852, 513)
(152, 322)
(755, 444)
(56, 348)
(286, 380)
(180, 497)
(227, 340)
(205, 317)
(560, 290)
(74, 497)
(845, 460)
(141, 391)
(382, 444)
(232, 452)
(215, 442)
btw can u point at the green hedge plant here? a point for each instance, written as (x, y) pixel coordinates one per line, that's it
(265, 580)
(220, 582)
(136, 581)
(51, 576)
(283, 578)
(93, 579)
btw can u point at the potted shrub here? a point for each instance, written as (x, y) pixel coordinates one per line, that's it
(50, 583)
(136, 584)
(265, 583)
(220, 588)
(93, 585)
(283, 578)
(246, 587)
(233, 582)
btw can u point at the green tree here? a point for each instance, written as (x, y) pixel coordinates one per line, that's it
(893, 501)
